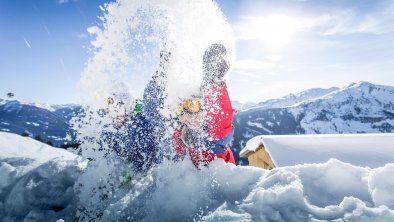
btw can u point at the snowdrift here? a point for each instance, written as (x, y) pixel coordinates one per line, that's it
(39, 182)
(36, 180)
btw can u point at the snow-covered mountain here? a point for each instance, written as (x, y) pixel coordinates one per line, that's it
(293, 99)
(49, 122)
(242, 106)
(357, 108)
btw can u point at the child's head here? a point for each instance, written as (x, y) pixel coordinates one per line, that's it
(215, 63)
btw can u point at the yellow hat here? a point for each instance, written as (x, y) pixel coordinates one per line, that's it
(191, 105)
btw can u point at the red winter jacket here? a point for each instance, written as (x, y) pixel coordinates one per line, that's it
(219, 111)
(219, 116)
(199, 157)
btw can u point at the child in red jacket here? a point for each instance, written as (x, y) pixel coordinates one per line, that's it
(211, 139)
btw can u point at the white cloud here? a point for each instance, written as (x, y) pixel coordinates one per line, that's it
(249, 64)
(247, 74)
(275, 31)
(351, 22)
(274, 58)
(27, 43)
(65, 1)
(317, 55)
(46, 28)
(81, 35)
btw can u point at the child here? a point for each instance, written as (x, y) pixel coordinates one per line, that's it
(217, 130)
(137, 137)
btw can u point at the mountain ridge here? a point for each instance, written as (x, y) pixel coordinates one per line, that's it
(361, 107)
(50, 124)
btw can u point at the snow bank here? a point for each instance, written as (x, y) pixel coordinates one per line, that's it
(40, 183)
(331, 191)
(223, 192)
(381, 185)
(36, 180)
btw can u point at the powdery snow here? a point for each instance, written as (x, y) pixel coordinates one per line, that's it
(33, 123)
(36, 180)
(333, 191)
(371, 150)
(15, 146)
(133, 32)
(258, 125)
(51, 191)
(224, 192)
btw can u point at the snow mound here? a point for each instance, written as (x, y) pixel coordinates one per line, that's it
(36, 180)
(40, 183)
(334, 191)
(331, 191)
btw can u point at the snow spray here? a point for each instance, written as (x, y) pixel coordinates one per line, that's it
(125, 53)
(128, 42)
(126, 50)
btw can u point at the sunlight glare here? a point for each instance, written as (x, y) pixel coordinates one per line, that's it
(274, 31)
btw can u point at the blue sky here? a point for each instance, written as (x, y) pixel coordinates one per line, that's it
(43, 48)
(282, 46)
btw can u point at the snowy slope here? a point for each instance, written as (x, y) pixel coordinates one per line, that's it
(49, 122)
(36, 180)
(49, 107)
(359, 107)
(67, 111)
(46, 184)
(242, 106)
(293, 99)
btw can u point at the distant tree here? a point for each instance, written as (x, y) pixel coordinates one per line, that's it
(70, 145)
(38, 138)
(50, 143)
(24, 134)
